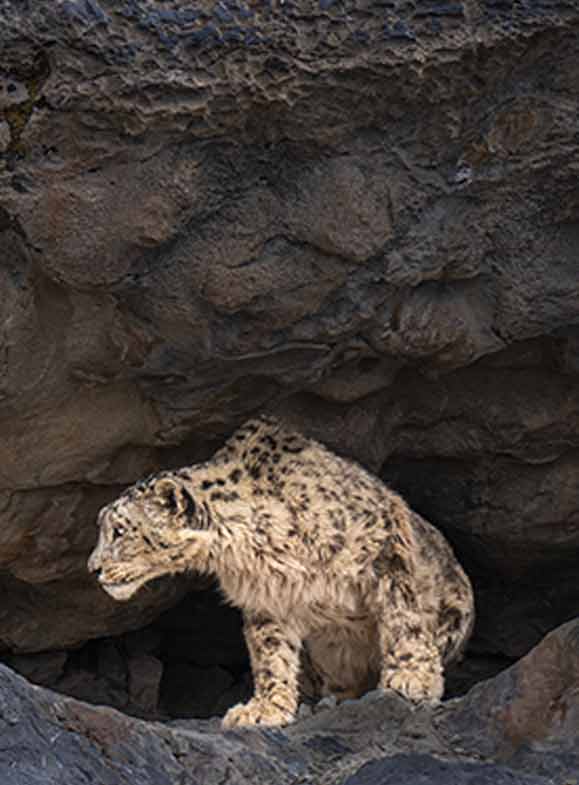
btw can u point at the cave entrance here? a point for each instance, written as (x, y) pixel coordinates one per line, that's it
(190, 662)
(205, 663)
(205, 660)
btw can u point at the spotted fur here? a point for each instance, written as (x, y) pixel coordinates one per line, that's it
(315, 551)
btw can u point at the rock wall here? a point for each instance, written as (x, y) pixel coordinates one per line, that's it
(361, 216)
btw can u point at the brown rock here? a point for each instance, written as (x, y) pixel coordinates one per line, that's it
(529, 714)
(366, 221)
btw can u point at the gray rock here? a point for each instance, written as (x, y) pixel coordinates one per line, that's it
(529, 713)
(425, 770)
(495, 734)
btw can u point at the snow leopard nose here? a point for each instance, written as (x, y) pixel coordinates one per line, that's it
(94, 562)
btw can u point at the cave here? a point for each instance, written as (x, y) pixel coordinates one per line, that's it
(190, 662)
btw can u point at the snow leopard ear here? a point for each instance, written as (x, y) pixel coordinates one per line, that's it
(174, 497)
(189, 507)
(166, 493)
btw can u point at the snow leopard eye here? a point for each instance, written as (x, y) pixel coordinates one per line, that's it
(118, 531)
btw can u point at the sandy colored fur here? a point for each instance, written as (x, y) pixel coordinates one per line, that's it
(315, 551)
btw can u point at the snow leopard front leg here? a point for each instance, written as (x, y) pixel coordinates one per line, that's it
(274, 651)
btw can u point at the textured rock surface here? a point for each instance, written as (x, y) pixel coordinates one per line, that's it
(528, 714)
(493, 735)
(362, 216)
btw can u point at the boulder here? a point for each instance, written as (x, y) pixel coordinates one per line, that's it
(528, 715)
